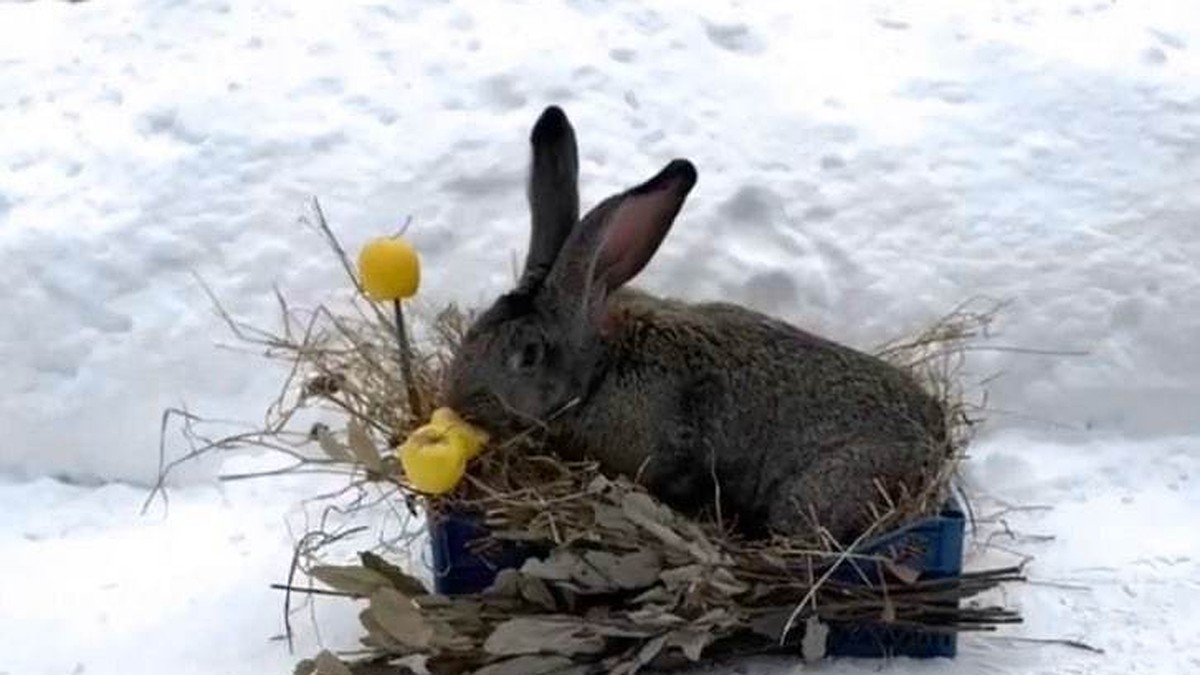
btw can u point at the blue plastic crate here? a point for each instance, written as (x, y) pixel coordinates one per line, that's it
(457, 569)
(932, 546)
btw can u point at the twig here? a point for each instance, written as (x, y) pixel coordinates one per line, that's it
(1062, 642)
(332, 240)
(310, 591)
(160, 481)
(1058, 584)
(808, 597)
(415, 407)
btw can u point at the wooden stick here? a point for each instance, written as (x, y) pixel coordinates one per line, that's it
(406, 369)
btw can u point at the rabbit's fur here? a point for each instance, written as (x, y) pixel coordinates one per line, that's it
(796, 431)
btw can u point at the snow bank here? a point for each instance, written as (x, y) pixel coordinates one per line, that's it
(863, 170)
(89, 586)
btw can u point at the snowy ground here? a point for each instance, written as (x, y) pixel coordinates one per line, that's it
(863, 170)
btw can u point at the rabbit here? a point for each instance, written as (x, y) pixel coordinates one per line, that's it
(713, 407)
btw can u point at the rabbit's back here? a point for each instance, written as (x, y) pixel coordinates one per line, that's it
(694, 392)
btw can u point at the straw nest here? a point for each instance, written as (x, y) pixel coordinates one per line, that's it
(623, 584)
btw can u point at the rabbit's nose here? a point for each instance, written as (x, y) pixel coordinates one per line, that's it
(471, 403)
(457, 390)
(459, 400)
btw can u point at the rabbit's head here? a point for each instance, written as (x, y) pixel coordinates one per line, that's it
(539, 347)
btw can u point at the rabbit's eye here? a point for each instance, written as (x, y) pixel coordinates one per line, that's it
(528, 356)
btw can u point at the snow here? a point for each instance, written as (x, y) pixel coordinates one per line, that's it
(863, 169)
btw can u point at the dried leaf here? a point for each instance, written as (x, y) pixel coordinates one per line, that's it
(351, 579)
(527, 665)
(904, 573)
(724, 581)
(647, 653)
(400, 580)
(362, 446)
(462, 610)
(415, 663)
(535, 590)
(598, 484)
(812, 647)
(590, 579)
(507, 584)
(699, 545)
(642, 510)
(681, 576)
(691, 640)
(328, 664)
(656, 595)
(655, 617)
(596, 571)
(401, 619)
(650, 650)
(549, 635)
(623, 631)
(331, 446)
(429, 601)
(718, 616)
(305, 667)
(612, 518)
(631, 571)
(377, 636)
(558, 566)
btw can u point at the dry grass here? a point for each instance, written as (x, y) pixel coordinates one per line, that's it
(660, 585)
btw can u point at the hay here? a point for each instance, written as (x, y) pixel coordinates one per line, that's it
(627, 583)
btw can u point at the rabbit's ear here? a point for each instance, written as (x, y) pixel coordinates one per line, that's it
(552, 191)
(617, 238)
(638, 222)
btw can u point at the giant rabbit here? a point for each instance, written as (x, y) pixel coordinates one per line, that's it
(708, 405)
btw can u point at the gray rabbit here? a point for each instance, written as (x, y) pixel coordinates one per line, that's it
(706, 404)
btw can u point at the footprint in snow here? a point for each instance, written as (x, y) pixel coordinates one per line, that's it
(752, 204)
(166, 122)
(484, 183)
(501, 92)
(954, 93)
(1153, 56)
(588, 77)
(832, 163)
(622, 55)
(734, 37)
(773, 290)
(1169, 39)
(893, 24)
